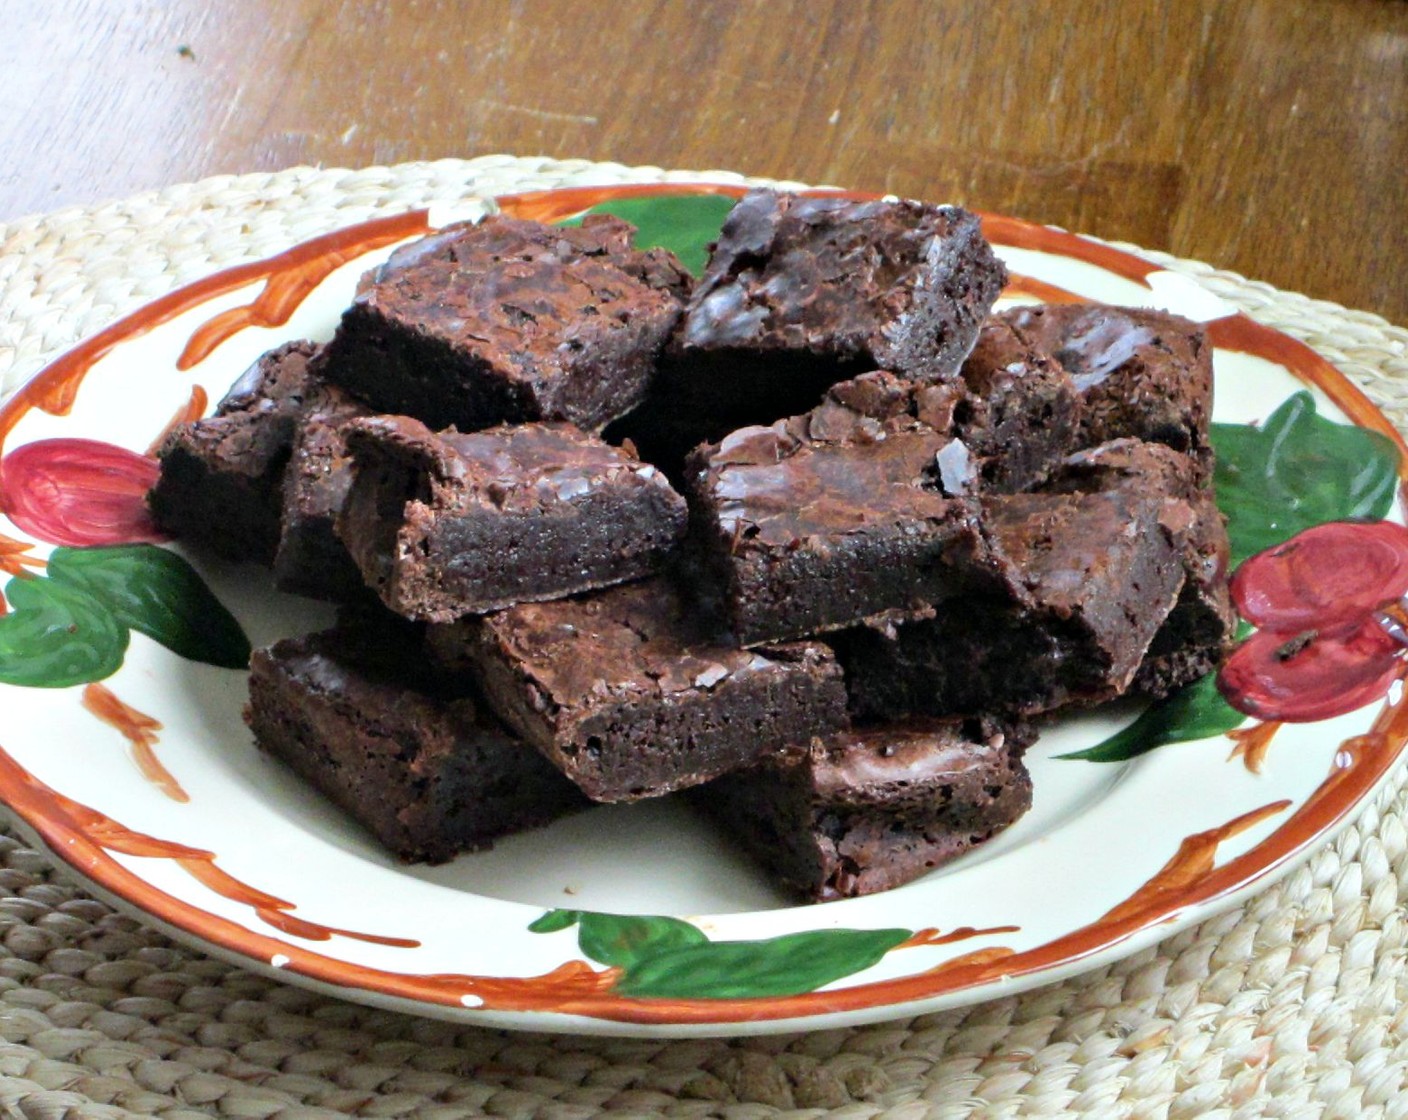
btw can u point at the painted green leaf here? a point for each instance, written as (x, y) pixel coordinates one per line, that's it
(156, 593)
(670, 959)
(1195, 712)
(553, 921)
(1296, 470)
(56, 635)
(778, 966)
(684, 224)
(622, 940)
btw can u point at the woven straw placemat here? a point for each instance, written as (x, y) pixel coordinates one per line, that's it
(1294, 1005)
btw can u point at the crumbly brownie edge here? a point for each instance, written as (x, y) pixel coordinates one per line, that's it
(233, 514)
(823, 850)
(437, 564)
(949, 311)
(801, 694)
(392, 369)
(284, 729)
(486, 563)
(724, 728)
(454, 784)
(311, 559)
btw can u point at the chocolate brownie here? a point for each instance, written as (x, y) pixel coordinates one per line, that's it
(311, 558)
(801, 293)
(631, 695)
(1080, 584)
(866, 811)
(507, 321)
(1022, 412)
(1140, 373)
(889, 285)
(848, 511)
(221, 480)
(444, 525)
(430, 776)
(1202, 626)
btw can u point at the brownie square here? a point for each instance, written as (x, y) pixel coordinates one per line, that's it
(889, 285)
(508, 321)
(350, 711)
(221, 480)
(1140, 373)
(632, 696)
(801, 293)
(1200, 630)
(846, 512)
(1081, 583)
(869, 810)
(449, 524)
(311, 559)
(1022, 413)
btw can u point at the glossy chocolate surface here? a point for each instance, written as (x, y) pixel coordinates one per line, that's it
(640, 640)
(451, 523)
(633, 694)
(1140, 373)
(864, 507)
(221, 480)
(900, 285)
(868, 810)
(510, 320)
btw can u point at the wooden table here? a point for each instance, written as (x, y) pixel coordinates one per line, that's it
(1266, 136)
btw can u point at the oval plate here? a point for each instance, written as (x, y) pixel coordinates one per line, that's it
(125, 755)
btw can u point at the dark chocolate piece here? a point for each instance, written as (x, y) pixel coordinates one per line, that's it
(1202, 626)
(509, 321)
(866, 811)
(801, 293)
(1080, 584)
(221, 481)
(631, 695)
(844, 513)
(449, 524)
(311, 558)
(349, 710)
(889, 285)
(1022, 413)
(1140, 373)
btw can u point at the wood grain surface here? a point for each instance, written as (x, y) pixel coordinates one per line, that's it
(1266, 136)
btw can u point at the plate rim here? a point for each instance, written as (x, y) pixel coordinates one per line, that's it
(96, 867)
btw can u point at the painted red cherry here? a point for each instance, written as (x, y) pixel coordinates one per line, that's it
(1326, 578)
(1308, 677)
(1327, 604)
(79, 492)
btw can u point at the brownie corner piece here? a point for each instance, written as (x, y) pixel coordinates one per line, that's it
(221, 477)
(311, 559)
(1141, 373)
(632, 695)
(507, 321)
(896, 285)
(453, 523)
(427, 775)
(868, 810)
(837, 515)
(1201, 628)
(1078, 587)
(1022, 413)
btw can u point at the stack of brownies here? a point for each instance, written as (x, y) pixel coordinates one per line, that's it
(815, 538)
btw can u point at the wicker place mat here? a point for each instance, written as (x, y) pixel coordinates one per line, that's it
(1293, 1005)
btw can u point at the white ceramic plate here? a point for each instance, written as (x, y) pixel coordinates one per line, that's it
(190, 826)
